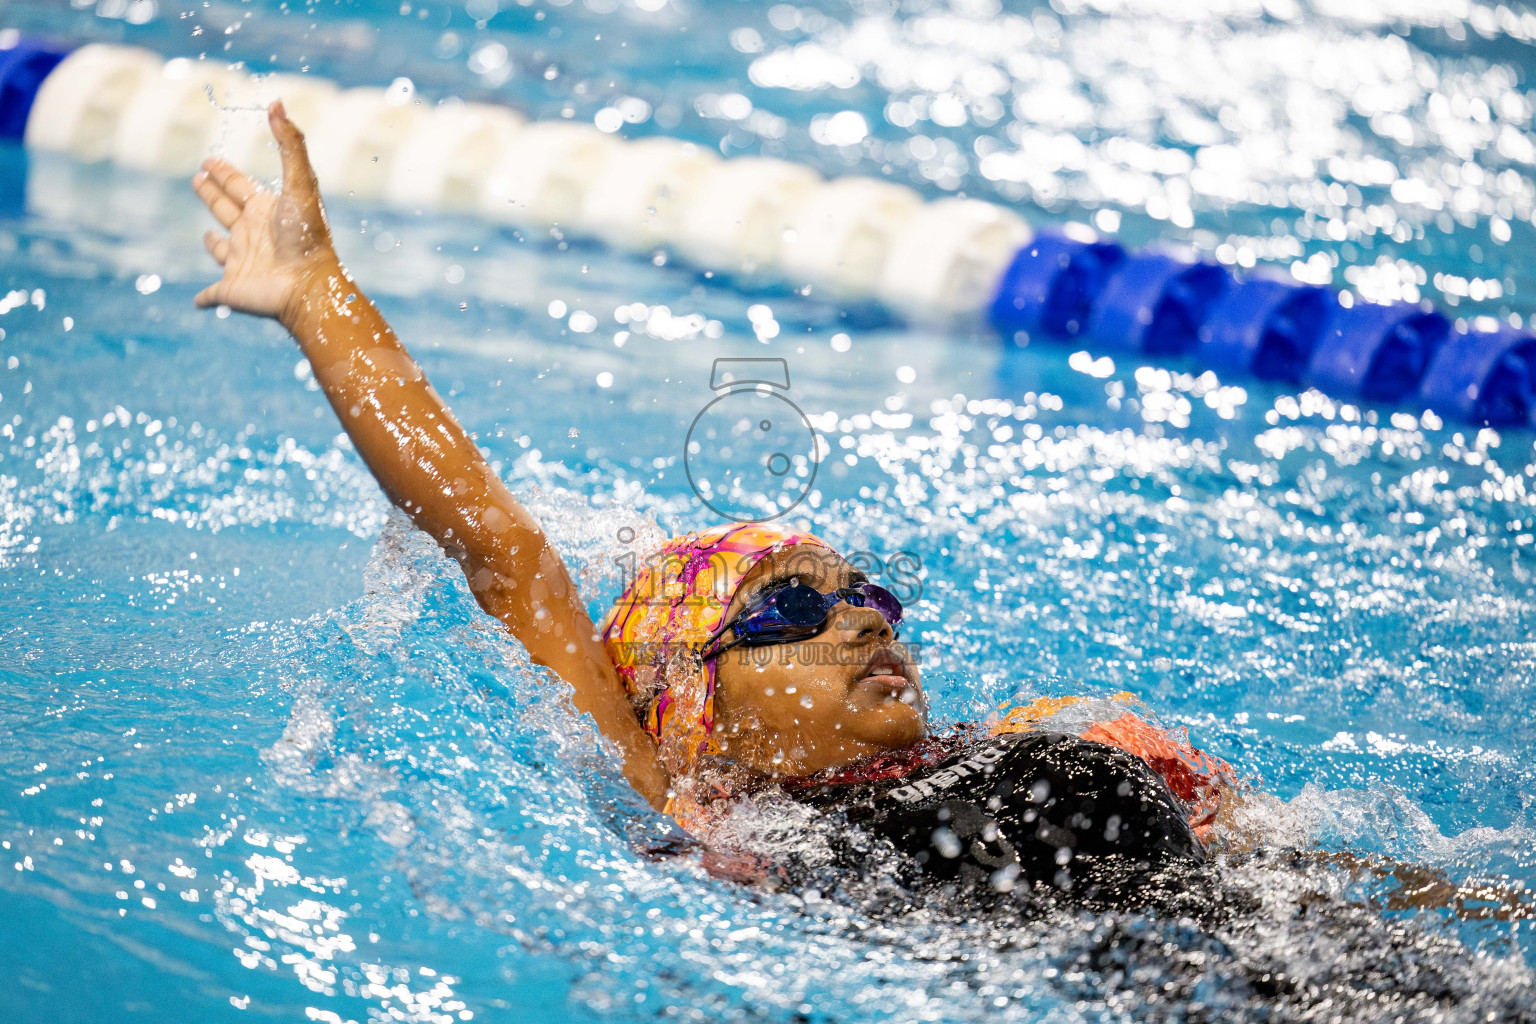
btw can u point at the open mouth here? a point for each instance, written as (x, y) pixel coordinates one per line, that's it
(886, 670)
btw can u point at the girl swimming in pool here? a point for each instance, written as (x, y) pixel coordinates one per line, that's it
(744, 658)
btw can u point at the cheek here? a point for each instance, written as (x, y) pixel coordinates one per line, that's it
(818, 703)
(775, 692)
(788, 694)
(821, 685)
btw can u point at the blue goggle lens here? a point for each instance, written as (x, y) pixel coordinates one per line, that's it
(801, 607)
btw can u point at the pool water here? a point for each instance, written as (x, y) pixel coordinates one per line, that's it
(264, 756)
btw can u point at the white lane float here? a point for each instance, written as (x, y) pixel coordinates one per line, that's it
(241, 134)
(78, 107)
(356, 140)
(839, 236)
(445, 162)
(543, 174)
(166, 123)
(947, 260)
(639, 198)
(736, 218)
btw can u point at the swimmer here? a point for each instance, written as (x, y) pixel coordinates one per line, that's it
(744, 659)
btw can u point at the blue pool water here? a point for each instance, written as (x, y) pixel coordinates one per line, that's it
(263, 756)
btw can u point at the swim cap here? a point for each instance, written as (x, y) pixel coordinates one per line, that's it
(658, 626)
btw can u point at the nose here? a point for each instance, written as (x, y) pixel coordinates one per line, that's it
(863, 623)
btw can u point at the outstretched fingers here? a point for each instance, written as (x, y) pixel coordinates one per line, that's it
(224, 208)
(217, 245)
(236, 184)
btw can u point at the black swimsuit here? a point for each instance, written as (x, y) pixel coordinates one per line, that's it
(1021, 810)
(1066, 823)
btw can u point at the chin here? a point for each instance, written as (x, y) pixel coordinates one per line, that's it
(892, 727)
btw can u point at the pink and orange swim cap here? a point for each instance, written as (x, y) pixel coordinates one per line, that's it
(658, 626)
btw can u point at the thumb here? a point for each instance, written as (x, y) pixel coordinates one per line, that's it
(213, 295)
(298, 176)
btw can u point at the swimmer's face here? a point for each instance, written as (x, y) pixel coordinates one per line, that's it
(798, 707)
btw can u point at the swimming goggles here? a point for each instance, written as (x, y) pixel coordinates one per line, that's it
(796, 611)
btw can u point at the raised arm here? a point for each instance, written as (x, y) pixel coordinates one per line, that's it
(278, 262)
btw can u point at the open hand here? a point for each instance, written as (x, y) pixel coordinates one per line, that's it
(277, 241)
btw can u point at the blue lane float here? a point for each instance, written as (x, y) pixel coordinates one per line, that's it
(1377, 352)
(1485, 377)
(1267, 327)
(1070, 288)
(1155, 303)
(24, 63)
(1052, 284)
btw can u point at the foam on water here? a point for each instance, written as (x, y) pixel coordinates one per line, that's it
(388, 785)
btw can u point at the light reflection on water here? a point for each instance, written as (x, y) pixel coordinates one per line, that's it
(267, 756)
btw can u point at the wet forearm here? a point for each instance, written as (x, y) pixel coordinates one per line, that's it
(421, 456)
(430, 467)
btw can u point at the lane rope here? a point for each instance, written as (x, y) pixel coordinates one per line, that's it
(855, 238)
